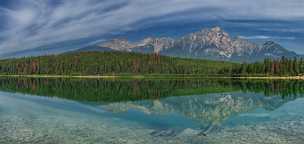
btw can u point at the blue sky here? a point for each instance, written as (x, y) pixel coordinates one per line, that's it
(27, 24)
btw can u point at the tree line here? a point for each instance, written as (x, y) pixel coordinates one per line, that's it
(117, 63)
(269, 67)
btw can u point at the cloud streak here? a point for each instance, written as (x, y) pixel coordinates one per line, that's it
(264, 37)
(34, 23)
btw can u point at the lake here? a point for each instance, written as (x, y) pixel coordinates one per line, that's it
(143, 111)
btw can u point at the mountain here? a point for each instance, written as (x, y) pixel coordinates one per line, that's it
(212, 43)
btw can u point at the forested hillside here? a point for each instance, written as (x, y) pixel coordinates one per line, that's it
(110, 63)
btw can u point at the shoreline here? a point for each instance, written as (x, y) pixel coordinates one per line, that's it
(273, 77)
(165, 76)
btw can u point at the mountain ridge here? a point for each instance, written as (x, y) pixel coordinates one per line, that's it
(214, 44)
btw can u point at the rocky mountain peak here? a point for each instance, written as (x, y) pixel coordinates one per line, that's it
(214, 40)
(119, 44)
(275, 50)
(216, 29)
(270, 45)
(160, 44)
(243, 46)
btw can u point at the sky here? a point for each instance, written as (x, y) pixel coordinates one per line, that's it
(29, 24)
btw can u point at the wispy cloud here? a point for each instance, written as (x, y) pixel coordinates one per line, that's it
(264, 37)
(285, 30)
(33, 23)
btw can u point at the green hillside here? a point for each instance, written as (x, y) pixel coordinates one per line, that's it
(110, 63)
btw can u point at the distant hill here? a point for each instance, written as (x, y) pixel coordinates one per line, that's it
(108, 63)
(214, 44)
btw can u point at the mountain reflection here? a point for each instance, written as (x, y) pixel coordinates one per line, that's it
(208, 109)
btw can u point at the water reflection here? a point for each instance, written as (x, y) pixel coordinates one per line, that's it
(106, 91)
(210, 110)
(150, 111)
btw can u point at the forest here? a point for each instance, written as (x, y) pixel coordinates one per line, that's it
(269, 67)
(125, 63)
(109, 63)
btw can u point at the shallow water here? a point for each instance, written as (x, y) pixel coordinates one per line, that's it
(153, 111)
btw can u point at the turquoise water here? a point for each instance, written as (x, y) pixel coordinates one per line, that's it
(186, 111)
